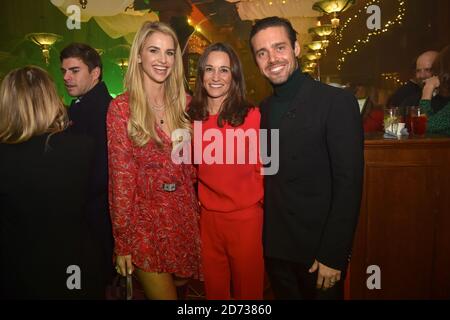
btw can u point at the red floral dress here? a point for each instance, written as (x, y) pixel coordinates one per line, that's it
(153, 205)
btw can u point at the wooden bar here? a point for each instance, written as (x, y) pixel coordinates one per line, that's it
(404, 226)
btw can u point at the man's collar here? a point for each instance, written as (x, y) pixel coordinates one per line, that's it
(93, 91)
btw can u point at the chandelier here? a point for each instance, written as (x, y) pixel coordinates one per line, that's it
(315, 45)
(322, 31)
(83, 4)
(45, 41)
(120, 54)
(333, 8)
(313, 56)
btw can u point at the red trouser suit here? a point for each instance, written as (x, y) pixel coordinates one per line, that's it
(231, 219)
(232, 253)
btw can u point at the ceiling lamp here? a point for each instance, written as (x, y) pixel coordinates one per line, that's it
(313, 56)
(122, 63)
(83, 4)
(322, 31)
(45, 41)
(333, 8)
(309, 64)
(307, 70)
(315, 45)
(325, 43)
(119, 55)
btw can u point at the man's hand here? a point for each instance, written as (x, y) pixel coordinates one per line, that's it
(326, 277)
(430, 85)
(124, 264)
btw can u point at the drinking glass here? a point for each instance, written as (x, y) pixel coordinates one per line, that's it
(391, 119)
(418, 121)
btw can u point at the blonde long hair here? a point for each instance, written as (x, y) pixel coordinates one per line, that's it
(29, 105)
(141, 126)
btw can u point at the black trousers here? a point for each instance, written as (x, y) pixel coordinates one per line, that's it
(292, 281)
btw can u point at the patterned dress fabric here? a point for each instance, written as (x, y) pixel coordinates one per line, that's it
(438, 122)
(154, 209)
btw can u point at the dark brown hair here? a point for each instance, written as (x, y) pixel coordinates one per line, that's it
(273, 22)
(441, 68)
(235, 107)
(85, 53)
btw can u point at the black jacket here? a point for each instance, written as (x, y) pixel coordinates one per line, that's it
(88, 118)
(43, 227)
(312, 204)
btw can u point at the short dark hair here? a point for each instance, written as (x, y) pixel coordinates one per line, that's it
(274, 22)
(235, 106)
(86, 53)
(441, 68)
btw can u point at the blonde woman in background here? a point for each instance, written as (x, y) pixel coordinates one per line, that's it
(46, 250)
(153, 204)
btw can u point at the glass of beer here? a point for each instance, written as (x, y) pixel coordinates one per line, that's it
(418, 121)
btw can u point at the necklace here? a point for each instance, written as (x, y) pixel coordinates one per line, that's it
(156, 107)
(158, 110)
(160, 120)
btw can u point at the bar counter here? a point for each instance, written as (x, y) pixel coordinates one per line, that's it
(404, 225)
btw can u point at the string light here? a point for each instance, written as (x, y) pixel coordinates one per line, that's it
(339, 34)
(394, 76)
(270, 2)
(360, 42)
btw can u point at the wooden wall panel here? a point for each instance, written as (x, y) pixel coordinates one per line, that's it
(404, 222)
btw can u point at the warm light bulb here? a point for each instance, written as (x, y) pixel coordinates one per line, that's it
(335, 22)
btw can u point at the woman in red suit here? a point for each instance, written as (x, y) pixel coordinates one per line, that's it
(230, 184)
(154, 209)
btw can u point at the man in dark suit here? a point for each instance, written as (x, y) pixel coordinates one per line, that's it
(82, 71)
(312, 204)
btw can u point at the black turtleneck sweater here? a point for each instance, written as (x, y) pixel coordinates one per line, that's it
(283, 96)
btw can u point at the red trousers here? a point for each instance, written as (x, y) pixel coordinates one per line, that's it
(232, 253)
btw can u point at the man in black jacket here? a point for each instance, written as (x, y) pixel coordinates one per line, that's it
(312, 204)
(409, 94)
(82, 71)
